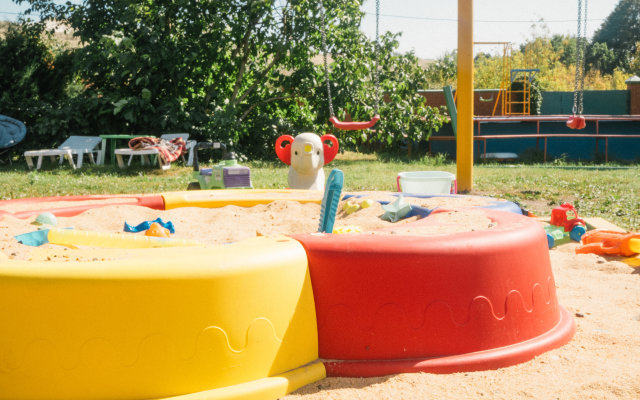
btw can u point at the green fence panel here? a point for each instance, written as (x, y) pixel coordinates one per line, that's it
(599, 102)
(573, 148)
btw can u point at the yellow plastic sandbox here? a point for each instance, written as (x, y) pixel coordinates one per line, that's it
(232, 321)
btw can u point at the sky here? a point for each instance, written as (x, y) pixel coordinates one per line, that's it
(429, 27)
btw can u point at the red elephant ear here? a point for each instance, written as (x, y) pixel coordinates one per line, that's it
(284, 152)
(329, 151)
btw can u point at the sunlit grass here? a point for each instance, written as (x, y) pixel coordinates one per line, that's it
(610, 193)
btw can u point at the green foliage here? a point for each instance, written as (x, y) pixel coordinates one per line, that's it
(242, 72)
(600, 57)
(536, 97)
(405, 118)
(620, 32)
(34, 77)
(553, 56)
(634, 63)
(488, 71)
(535, 102)
(443, 72)
(565, 47)
(234, 71)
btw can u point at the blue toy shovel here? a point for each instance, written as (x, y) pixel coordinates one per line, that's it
(35, 238)
(330, 201)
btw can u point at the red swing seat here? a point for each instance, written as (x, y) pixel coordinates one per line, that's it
(576, 122)
(354, 126)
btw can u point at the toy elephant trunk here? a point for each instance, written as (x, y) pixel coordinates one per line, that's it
(306, 154)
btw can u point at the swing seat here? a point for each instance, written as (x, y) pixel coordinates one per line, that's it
(576, 122)
(354, 126)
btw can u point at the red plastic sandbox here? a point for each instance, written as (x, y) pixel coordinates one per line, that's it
(68, 206)
(456, 302)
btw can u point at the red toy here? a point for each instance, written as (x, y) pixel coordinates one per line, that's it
(566, 216)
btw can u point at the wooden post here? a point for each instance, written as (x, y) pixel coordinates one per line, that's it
(464, 142)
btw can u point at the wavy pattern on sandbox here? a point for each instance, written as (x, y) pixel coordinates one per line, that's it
(211, 344)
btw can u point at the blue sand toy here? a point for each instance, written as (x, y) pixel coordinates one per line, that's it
(143, 226)
(330, 201)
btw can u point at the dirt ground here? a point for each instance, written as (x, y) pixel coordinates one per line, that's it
(603, 294)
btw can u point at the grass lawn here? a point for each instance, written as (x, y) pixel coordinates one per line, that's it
(603, 191)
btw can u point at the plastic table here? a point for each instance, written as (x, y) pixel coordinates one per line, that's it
(110, 142)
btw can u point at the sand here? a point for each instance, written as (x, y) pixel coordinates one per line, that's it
(602, 361)
(232, 223)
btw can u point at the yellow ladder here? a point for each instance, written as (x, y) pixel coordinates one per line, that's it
(518, 101)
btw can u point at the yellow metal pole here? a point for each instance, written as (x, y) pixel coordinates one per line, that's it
(464, 142)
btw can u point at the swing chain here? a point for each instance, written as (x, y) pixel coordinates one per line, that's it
(377, 61)
(584, 55)
(324, 57)
(581, 45)
(326, 61)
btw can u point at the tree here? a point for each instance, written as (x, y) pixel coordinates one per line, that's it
(443, 71)
(621, 31)
(34, 78)
(235, 71)
(400, 78)
(488, 71)
(600, 57)
(565, 47)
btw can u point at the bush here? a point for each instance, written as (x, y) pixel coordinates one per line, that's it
(235, 72)
(34, 78)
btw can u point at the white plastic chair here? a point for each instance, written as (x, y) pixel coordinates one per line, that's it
(74, 145)
(145, 153)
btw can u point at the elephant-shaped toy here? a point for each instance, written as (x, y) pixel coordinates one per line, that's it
(306, 154)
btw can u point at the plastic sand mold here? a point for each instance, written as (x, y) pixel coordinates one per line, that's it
(143, 226)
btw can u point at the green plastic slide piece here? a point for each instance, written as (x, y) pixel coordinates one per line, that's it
(451, 106)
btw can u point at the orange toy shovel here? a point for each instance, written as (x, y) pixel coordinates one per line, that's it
(600, 241)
